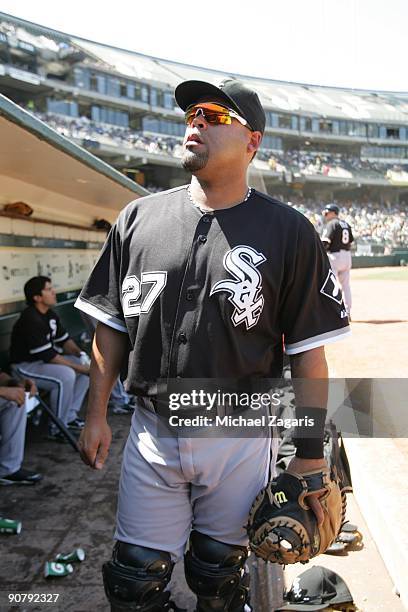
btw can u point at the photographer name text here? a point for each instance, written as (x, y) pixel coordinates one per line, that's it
(270, 420)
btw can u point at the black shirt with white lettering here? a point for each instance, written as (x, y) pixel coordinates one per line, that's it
(338, 235)
(37, 336)
(214, 295)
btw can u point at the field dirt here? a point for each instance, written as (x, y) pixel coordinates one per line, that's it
(378, 346)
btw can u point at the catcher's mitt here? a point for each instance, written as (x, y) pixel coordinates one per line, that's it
(282, 528)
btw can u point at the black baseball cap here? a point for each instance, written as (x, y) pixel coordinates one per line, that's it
(331, 208)
(233, 93)
(316, 589)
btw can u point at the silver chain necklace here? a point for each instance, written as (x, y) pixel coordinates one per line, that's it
(248, 193)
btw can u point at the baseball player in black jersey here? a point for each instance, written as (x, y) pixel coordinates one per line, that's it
(42, 349)
(211, 280)
(337, 237)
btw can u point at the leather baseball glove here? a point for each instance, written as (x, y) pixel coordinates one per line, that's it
(283, 529)
(19, 208)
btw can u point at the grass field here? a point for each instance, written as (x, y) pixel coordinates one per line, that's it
(386, 274)
(378, 346)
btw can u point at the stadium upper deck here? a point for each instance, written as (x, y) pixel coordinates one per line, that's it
(341, 137)
(53, 48)
(277, 95)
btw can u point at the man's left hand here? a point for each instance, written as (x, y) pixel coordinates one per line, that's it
(302, 466)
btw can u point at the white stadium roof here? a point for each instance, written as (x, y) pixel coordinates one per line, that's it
(275, 95)
(322, 101)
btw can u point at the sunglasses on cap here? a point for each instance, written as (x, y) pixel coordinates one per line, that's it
(215, 114)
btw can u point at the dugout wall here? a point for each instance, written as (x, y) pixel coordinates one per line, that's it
(68, 189)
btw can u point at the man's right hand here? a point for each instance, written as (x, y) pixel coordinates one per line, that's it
(82, 368)
(14, 394)
(77, 367)
(94, 442)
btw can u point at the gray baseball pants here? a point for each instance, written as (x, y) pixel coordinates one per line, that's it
(13, 421)
(170, 485)
(67, 388)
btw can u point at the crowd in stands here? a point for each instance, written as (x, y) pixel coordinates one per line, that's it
(111, 135)
(306, 163)
(334, 165)
(371, 222)
(382, 224)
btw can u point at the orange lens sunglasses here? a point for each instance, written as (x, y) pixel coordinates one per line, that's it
(215, 114)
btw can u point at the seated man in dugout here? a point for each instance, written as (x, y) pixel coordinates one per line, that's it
(42, 350)
(13, 420)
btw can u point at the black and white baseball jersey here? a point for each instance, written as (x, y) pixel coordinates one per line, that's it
(213, 295)
(338, 235)
(37, 336)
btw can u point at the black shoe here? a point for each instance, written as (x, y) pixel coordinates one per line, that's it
(22, 477)
(58, 436)
(76, 424)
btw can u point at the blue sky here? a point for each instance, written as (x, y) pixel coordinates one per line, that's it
(349, 43)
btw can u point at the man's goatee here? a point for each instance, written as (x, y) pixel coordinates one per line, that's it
(192, 161)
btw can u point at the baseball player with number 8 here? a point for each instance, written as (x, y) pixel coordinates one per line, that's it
(337, 238)
(213, 280)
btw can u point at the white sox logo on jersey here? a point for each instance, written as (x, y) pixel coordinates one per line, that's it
(53, 325)
(246, 291)
(331, 288)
